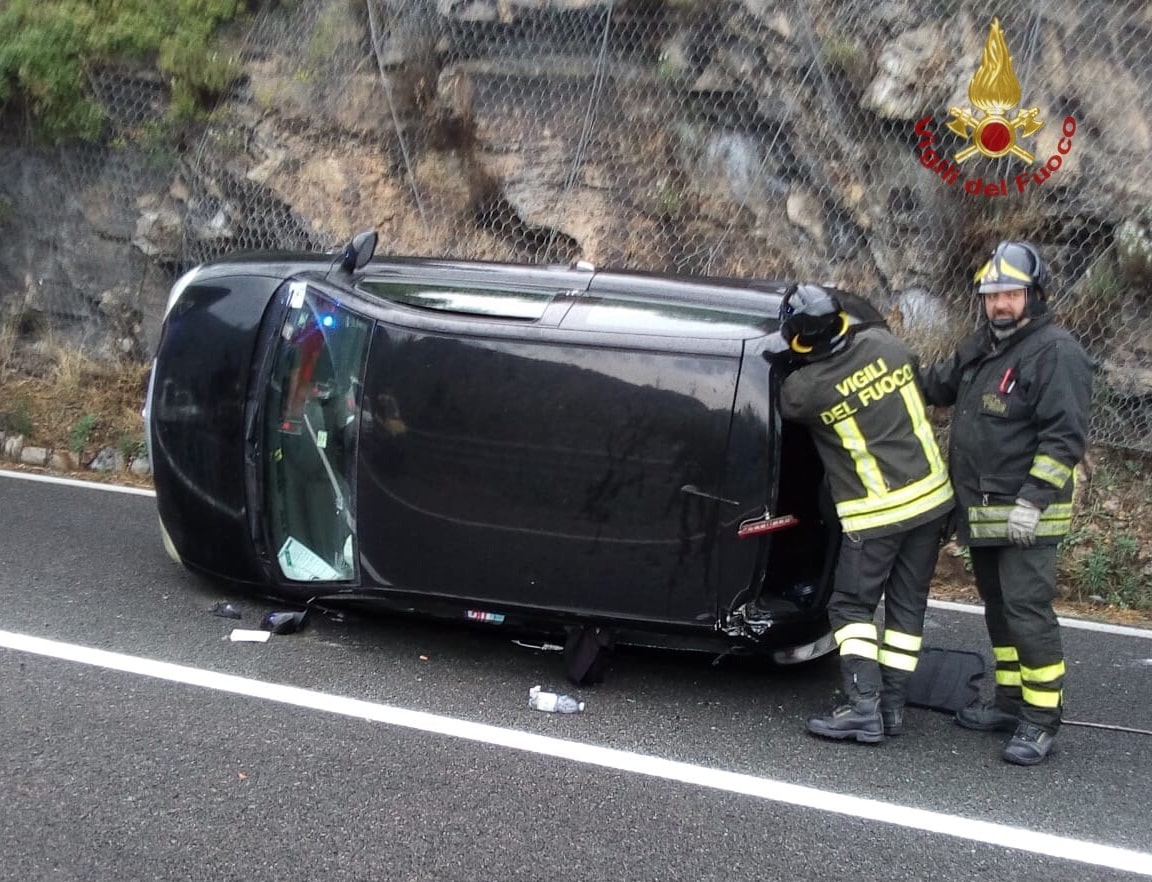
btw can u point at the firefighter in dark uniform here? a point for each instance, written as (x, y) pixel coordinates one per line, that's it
(855, 388)
(1021, 389)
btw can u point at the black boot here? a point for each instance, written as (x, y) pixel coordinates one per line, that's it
(894, 688)
(893, 720)
(987, 718)
(1028, 746)
(859, 719)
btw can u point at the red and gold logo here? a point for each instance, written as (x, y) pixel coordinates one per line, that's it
(995, 90)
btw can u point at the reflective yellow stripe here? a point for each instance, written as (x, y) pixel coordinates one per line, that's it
(867, 469)
(881, 507)
(896, 515)
(891, 499)
(900, 640)
(897, 660)
(1005, 653)
(1058, 510)
(1051, 470)
(922, 427)
(937, 473)
(861, 648)
(1046, 674)
(1006, 269)
(1000, 531)
(991, 521)
(1041, 697)
(1007, 678)
(863, 630)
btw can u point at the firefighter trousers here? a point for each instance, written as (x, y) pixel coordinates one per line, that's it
(1018, 586)
(899, 568)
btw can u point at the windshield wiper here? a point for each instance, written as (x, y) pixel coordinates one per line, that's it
(341, 507)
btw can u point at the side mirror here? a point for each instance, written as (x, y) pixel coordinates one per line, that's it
(359, 251)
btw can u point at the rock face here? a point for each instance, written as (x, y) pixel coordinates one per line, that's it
(794, 140)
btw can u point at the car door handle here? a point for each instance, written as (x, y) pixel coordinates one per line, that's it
(693, 490)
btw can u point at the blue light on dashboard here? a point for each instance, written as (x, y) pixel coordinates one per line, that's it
(328, 320)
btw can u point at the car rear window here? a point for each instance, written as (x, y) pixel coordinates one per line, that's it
(526, 305)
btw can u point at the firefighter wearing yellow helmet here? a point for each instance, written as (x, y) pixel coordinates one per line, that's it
(1020, 388)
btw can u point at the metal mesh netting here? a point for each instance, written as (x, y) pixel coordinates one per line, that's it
(97, 194)
(878, 146)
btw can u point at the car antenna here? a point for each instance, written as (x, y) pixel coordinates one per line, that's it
(356, 253)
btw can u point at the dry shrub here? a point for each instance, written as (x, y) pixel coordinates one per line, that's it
(58, 386)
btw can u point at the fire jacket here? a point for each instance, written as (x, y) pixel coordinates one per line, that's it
(868, 420)
(1019, 427)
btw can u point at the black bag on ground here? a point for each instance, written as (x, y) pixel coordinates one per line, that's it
(586, 654)
(946, 679)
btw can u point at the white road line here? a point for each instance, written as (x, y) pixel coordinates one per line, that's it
(1078, 624)
(73, 482)
(1000, 835)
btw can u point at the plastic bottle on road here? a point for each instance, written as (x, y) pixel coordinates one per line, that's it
(551, 703)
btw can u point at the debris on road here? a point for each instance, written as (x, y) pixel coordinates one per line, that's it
(226, 610)
(552, 703)
(284, 622)
(240, 635)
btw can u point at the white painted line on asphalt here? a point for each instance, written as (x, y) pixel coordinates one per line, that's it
(1001, 835)
(1077, 624)
(73, 482)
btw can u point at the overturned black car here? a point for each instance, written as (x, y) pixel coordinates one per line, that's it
(536, 448)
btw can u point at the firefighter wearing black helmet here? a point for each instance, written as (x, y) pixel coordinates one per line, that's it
(1021, 389)
(855, 388)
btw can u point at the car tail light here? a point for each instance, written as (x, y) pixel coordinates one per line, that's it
(766, 524)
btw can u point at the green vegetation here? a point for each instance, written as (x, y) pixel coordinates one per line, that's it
(81, 435)
(131, 445)
(18, 420)
(1109, 570)
(50, 48)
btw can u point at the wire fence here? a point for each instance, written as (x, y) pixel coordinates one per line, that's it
(880, 146)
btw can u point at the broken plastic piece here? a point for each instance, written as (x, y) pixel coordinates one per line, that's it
(240, 635)
(225, 610)
(284, 622)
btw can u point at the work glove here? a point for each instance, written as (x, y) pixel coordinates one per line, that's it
(1022, 523)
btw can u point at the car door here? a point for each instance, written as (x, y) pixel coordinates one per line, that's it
(509, 461)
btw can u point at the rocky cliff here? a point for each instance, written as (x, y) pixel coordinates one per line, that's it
(815, 140)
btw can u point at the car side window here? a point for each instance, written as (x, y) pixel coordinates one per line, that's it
(522, 304)
(635, 315)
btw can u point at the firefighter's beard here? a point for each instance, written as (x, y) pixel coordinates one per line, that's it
(1006, 325)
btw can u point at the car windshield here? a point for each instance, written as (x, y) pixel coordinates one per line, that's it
(310, 428)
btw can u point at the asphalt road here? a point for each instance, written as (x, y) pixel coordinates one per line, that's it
(139, 742)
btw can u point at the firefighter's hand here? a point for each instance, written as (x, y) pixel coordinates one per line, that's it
(1022, 523)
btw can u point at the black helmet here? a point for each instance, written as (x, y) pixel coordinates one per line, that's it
(812, 322)
(1016, 264)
